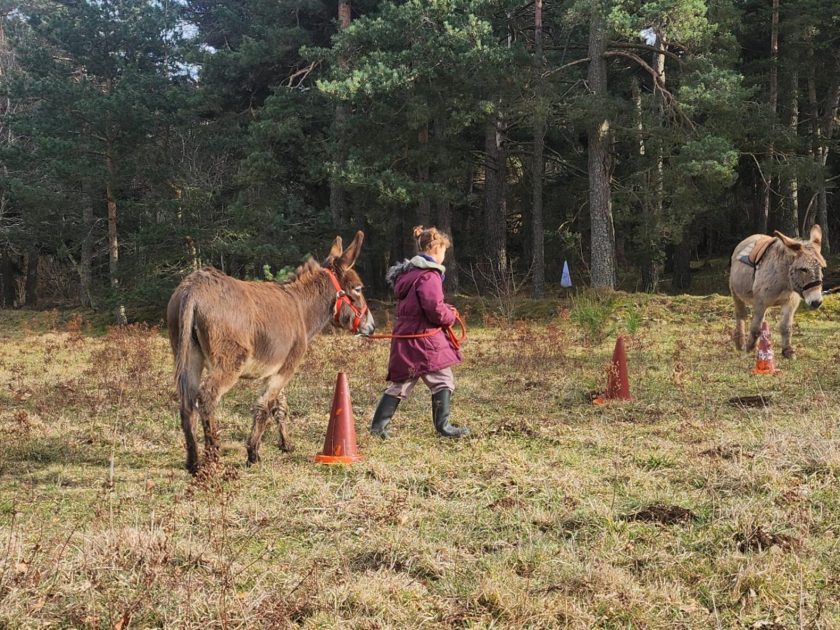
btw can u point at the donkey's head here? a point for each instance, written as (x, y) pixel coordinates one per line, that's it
(805, 271)
(351, 310)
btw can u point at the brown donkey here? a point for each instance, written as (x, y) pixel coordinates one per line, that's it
(240, 329)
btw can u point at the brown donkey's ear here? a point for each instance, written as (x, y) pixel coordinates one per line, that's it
(816, 236)
(348, 258)
(789, 242)
(335, 250)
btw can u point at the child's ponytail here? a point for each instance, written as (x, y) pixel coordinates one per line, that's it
(428, 237)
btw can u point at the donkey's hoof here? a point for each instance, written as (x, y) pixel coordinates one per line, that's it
(253, 458)
(286, 448)
(789, 353)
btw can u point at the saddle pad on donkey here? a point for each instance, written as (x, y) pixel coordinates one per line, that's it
(754, 250)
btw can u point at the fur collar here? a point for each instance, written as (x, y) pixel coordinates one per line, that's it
(418, 262)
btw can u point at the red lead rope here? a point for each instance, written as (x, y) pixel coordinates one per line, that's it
(449, 331)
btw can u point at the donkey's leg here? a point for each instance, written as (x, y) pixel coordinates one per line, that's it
(755, 326)
(188, 407)
(188, 426)
(262, 410)
(257, 429)
(216, 385)
(786, 326)
(280, 412)
(280, 405)
(741, 314)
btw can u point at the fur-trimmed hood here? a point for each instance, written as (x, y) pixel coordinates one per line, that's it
(418, 262)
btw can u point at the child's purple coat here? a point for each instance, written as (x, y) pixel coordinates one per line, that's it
(420, 308)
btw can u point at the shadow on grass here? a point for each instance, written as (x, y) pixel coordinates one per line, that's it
(36, 455)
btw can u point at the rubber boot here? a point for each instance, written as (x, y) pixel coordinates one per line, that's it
(440, 415)
(382, 416)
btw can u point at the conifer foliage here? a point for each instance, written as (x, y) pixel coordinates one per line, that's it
(140, 140)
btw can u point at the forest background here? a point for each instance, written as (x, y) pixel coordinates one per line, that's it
(142, 139)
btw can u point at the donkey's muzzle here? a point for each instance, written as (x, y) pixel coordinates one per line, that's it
(368, 326)
(812, 294)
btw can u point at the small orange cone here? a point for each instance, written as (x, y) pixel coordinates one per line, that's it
(618, 385)
(340, 443)
(764, 362)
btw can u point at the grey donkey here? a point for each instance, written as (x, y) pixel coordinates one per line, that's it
(770, 271)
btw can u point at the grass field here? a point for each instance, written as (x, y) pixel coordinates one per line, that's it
(682, 509)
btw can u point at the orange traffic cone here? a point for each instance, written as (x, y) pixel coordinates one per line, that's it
(618, 385)
(340, 443)
(764, 362)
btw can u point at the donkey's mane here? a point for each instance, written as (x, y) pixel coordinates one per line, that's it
(306, 271)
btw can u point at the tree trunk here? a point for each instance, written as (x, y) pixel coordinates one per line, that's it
(495, 209)
(790, 220)
(113, 243)
(7, 64)
(681, 280)
(814, 132)
(9, 269)
(774, 103)
(652, 257)
(443, 217)
(424, 206)
(86, 258)
(31, 286)
(397, 246)
(537, 228)
(443, 210)
(602, 266)
(9, 272)
(826, 131)
(338, 195)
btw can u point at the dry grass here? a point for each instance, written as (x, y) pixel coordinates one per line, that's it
(682, 509)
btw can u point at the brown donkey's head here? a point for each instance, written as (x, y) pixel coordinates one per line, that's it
(805, 271)
(351, 310)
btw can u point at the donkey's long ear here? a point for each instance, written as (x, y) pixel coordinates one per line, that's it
(335, 250)
(348, 258)
(790, 243)
(816, 236)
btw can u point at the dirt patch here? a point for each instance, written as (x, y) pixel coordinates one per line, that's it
(759, 539)
(292, 608)
(386, 559)
(211, 476)
(727, 451)
(760, 401)
(661, 513)
(514, 427)
(565, 528)
(505, 503)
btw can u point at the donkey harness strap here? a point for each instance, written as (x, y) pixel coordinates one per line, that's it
(342, 297)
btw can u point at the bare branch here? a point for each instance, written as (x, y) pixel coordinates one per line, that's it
(652, 49)
(564, 66)
(659, 83)
(295, 79)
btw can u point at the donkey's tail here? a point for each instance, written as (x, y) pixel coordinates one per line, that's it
(183, 373)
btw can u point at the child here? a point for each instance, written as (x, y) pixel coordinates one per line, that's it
(418, 287)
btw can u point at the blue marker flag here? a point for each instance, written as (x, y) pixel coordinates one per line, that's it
(566, 279)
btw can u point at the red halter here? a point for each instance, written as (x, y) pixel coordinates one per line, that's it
(341, 296)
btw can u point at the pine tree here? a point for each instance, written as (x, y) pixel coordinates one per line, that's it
(99, 80)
